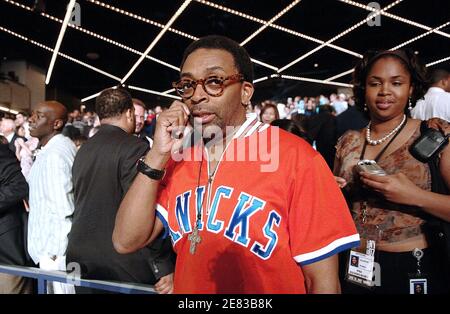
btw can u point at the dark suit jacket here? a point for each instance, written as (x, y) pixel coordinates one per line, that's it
(14, 138)
(103, 170)
(350, 119)
(322, 129)
(13, 188)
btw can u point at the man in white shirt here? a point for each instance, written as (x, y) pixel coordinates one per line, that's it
(51, 191)
(437, 99)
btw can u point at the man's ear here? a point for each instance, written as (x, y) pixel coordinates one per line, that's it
(58, 124)
(129, 113)
(247, 92)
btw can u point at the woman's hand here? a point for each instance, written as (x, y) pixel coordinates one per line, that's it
(439, 124)
(341, 182)
(396, 188)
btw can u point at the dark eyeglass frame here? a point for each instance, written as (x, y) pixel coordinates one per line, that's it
(231, 79)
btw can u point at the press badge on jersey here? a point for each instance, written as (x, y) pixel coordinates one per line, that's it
(360, 267)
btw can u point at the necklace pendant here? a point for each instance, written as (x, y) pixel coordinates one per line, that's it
(195, 239)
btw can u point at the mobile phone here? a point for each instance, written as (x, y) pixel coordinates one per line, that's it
(428, 145)
(369, 166)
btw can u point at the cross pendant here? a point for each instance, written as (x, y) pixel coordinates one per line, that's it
(194, 238)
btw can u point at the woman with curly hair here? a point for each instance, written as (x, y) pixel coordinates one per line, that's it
(391, 206)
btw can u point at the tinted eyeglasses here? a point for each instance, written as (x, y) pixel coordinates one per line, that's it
(212, 85)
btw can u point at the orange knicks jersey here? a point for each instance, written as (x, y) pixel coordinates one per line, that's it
(271, 206)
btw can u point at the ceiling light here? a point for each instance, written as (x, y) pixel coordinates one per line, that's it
(169, 91)
(278, 27)
(260, 79)
(378, 12)
(437, 61)
(60, 54)
(339, 75)
(158, 37)
(150, 91)
(395, 48)
(306, 79)
(267, 24)
(395, 17)
(59, 40)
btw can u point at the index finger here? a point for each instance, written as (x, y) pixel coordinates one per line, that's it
(178, 103)
(374, 177)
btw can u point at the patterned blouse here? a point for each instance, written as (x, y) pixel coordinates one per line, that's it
(386, 221)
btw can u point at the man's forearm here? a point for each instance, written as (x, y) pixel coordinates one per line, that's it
(136, 215)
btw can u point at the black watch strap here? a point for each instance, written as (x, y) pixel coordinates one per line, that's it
(154, 174)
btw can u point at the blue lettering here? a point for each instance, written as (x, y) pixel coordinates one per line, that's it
(214, 225)
(174, 236)
(241, 218)
(266, 252)
(182, 212)
(200, 193)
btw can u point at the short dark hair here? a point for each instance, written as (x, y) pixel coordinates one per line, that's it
(407, 58)
(241, 57)
(437, 75)
(291, 127)
(112, 102)
(327, 108)
(139, 102)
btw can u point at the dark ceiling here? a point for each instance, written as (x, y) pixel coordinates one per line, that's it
(322, 20)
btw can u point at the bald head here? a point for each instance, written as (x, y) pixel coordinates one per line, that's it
(47, 120)
(57, 109)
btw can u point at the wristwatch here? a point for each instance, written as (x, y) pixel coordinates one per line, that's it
(154, 174)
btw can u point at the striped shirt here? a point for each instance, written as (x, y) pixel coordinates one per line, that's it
(51, 198)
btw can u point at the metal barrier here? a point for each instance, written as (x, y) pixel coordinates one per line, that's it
(42, 276)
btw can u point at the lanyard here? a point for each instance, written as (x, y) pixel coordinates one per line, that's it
(385, 147)
(364, 203)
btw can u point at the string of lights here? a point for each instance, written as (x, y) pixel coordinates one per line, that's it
(84, 64)
(348, 30)
(267, 24)
(397, 18)
(178, 32)
(59, 40)
(264, 25)
(400, 46)
(158, 37)
(96, 35)
(275, 26)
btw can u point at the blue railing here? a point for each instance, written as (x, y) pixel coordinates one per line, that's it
(43, 276)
